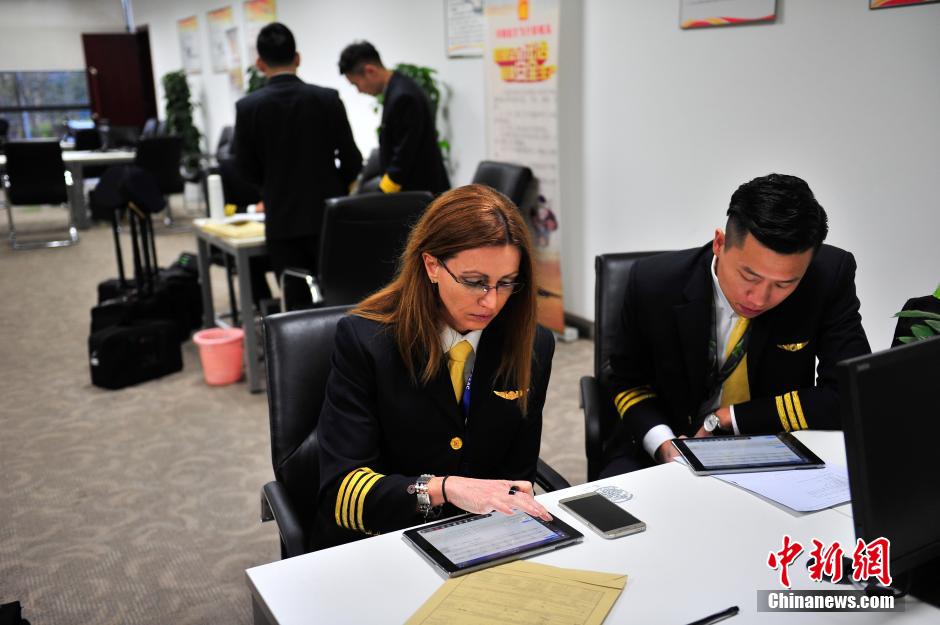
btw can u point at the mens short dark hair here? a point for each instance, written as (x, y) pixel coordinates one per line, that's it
(276, 45)
(779, 211)
(356, 54)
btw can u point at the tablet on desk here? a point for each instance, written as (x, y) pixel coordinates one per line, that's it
(470, 542)
(746, 454)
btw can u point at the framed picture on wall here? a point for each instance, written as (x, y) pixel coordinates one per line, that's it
(709, 13)
(889, 4)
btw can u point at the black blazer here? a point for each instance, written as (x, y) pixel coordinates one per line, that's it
(664, 336)
(375, 417)
(288, 136)
(408, 150)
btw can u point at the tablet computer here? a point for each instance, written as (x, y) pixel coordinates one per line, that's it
(746, 454)
(470, 542)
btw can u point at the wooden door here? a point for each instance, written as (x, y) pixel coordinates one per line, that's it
(120, 77)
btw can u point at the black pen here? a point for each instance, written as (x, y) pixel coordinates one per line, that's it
(717, 616)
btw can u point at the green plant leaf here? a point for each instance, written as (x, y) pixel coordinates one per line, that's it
(933, 323)
(906, 339)
(917, 314)
(921, 331)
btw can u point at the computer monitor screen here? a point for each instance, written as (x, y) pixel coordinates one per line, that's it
(80, 124)
(890, 417)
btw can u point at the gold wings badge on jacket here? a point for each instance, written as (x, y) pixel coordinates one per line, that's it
(793, 347)
(510, 395)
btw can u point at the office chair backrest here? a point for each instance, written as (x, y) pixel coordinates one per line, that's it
(150, 128)
(225, 148)
(4, 131)
(298, 348)
(611, 273)
(35, 172)
(362, 239)
(161, 156)
(509, 179)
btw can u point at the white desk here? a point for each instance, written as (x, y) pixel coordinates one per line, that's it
(76, 161)
(705, 549)
(242, 250)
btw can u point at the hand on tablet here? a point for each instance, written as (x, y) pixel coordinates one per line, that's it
(482, 496)
(667, 452)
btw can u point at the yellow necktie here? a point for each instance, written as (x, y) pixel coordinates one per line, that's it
(457, 359)
(735, 389)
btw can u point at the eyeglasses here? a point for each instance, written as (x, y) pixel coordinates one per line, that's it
(480, 289)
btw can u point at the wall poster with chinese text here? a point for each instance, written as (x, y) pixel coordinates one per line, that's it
(521, 73)
(706, 13)
(464, 21)
(258, 14)
(188, 29)
(219, 20)
(887, 4)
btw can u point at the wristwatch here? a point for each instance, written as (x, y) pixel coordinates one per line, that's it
(712, 424)
(421, 491)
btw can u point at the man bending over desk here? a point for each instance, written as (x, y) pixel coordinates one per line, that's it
(724, 339)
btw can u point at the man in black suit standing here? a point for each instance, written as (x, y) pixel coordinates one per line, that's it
(409, 156)
(725, 338)
(289, 136)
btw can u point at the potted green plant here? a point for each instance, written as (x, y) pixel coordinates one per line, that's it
(256, 79)
(179, 116)
(929, 326)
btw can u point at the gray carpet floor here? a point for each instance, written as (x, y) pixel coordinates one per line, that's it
(141, 505)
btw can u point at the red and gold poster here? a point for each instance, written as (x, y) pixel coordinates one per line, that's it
(521, 68)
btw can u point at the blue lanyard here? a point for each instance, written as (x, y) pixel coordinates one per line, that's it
(465, 400)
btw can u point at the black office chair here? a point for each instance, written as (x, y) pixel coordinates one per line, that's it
(225, 147)
(299, 346)
(371, 174)
(35, 174)
(360, 242)
(161, 156)
(510, 179)
(152, 128)
(4, 131)
(611, 272)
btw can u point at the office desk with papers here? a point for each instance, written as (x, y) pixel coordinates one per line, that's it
(705, 549)
(242, 250)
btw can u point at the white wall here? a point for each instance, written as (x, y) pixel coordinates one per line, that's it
(845, 97)
(46, 34)
(403, 31)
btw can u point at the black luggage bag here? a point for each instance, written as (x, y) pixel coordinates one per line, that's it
(136, 352)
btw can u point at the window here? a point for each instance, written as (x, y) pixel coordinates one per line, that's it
(40, 104)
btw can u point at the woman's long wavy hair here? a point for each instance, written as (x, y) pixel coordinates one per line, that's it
(460, 219)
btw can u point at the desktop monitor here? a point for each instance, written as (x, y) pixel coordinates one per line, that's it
(890, 415)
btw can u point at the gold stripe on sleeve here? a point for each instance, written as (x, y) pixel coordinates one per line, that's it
(799, 410)
(635, 401)
(340, 494)
(782, 413)
(360, 504)
(630, 397)
(790, 412)
(349, 502)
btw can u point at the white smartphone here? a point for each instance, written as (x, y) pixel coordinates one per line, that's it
(602, 515)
